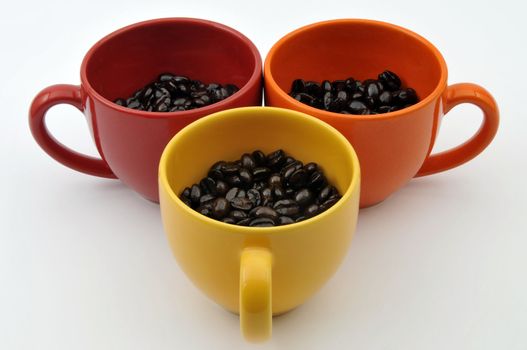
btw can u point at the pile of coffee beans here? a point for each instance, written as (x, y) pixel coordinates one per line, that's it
(261, 190)
(172, 93)
(350, 96)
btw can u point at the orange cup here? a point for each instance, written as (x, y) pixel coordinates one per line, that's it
(393, 147)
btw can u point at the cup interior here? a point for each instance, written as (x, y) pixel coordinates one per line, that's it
(130, 58)
(228, 134)
(355, 48)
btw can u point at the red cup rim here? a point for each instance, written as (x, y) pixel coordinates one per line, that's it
(438, 90)
(223, 104)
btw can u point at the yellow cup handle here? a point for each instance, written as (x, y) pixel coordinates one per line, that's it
(255, 294)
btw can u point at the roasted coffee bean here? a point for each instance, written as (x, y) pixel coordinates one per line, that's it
(261, 222)
(241, 203)
(310, 168)
(234, 180)
(229, 169)
(357, 107)
(220, 208)
(208, 185)
(261, 173)
(232, 193)
(254, 196)
(298, 179)
(328, 204)
(246, 177)
(311, 210)
(221, 187)
(206, 198)
(248, 161)
(275, 180)
(298, 86)
(303, 197)
(170, 93)
(229, 221)
(276, 159)
(185, 193)
(317, 180)
(195, 194)
(267, 196)
(278, 192)
(325, 193)
(264, 212)
(288, 193)
(390, 80)
(285, 220)
(244, 222)
(259, 158)
(287, 207)
(237, 215)
(350, 96)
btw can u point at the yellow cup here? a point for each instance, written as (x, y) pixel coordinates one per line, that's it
(258, 271)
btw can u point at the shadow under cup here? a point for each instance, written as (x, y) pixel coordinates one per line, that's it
(392, 147)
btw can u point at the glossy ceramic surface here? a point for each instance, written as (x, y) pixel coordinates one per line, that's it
(392, 147)
(130, 142)
(258, 271)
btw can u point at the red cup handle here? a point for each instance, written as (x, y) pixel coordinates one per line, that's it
(47, 98)
(455, 95)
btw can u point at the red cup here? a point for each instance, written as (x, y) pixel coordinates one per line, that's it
(129, 141)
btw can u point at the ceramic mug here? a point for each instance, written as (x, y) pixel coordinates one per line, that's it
(129, 141)
(393, 147)
(258, 272)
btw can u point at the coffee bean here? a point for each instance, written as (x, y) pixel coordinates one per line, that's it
(254, 196)
(246, 177)
(206, 198)
(248, 161)
(171, 93)
(298, 86)
(311, 210)
(205, 210)
(264, 212)
(237, 215)
(261, 173)
(350, 96)
(275, 180)
(259, 158)
(195, 194)
(244, 222)
(285, 220)
(241, 203)
(303, 197)
(261, 222)
(235, 194)
(287, 207)
(232, 193)
(221, 187)
(298, 179)
(220, 208)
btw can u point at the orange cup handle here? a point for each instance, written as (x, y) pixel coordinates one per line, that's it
(47, 98)
(455, 95)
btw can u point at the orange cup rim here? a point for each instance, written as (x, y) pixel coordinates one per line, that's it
(438, 90)
(224, 104)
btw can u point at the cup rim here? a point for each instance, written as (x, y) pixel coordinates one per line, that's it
(256, 74)
(438, 90)
(354, 185)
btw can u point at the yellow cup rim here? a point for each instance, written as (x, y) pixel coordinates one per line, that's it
(231, 113)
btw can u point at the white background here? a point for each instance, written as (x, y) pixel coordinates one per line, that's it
(441, 264)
